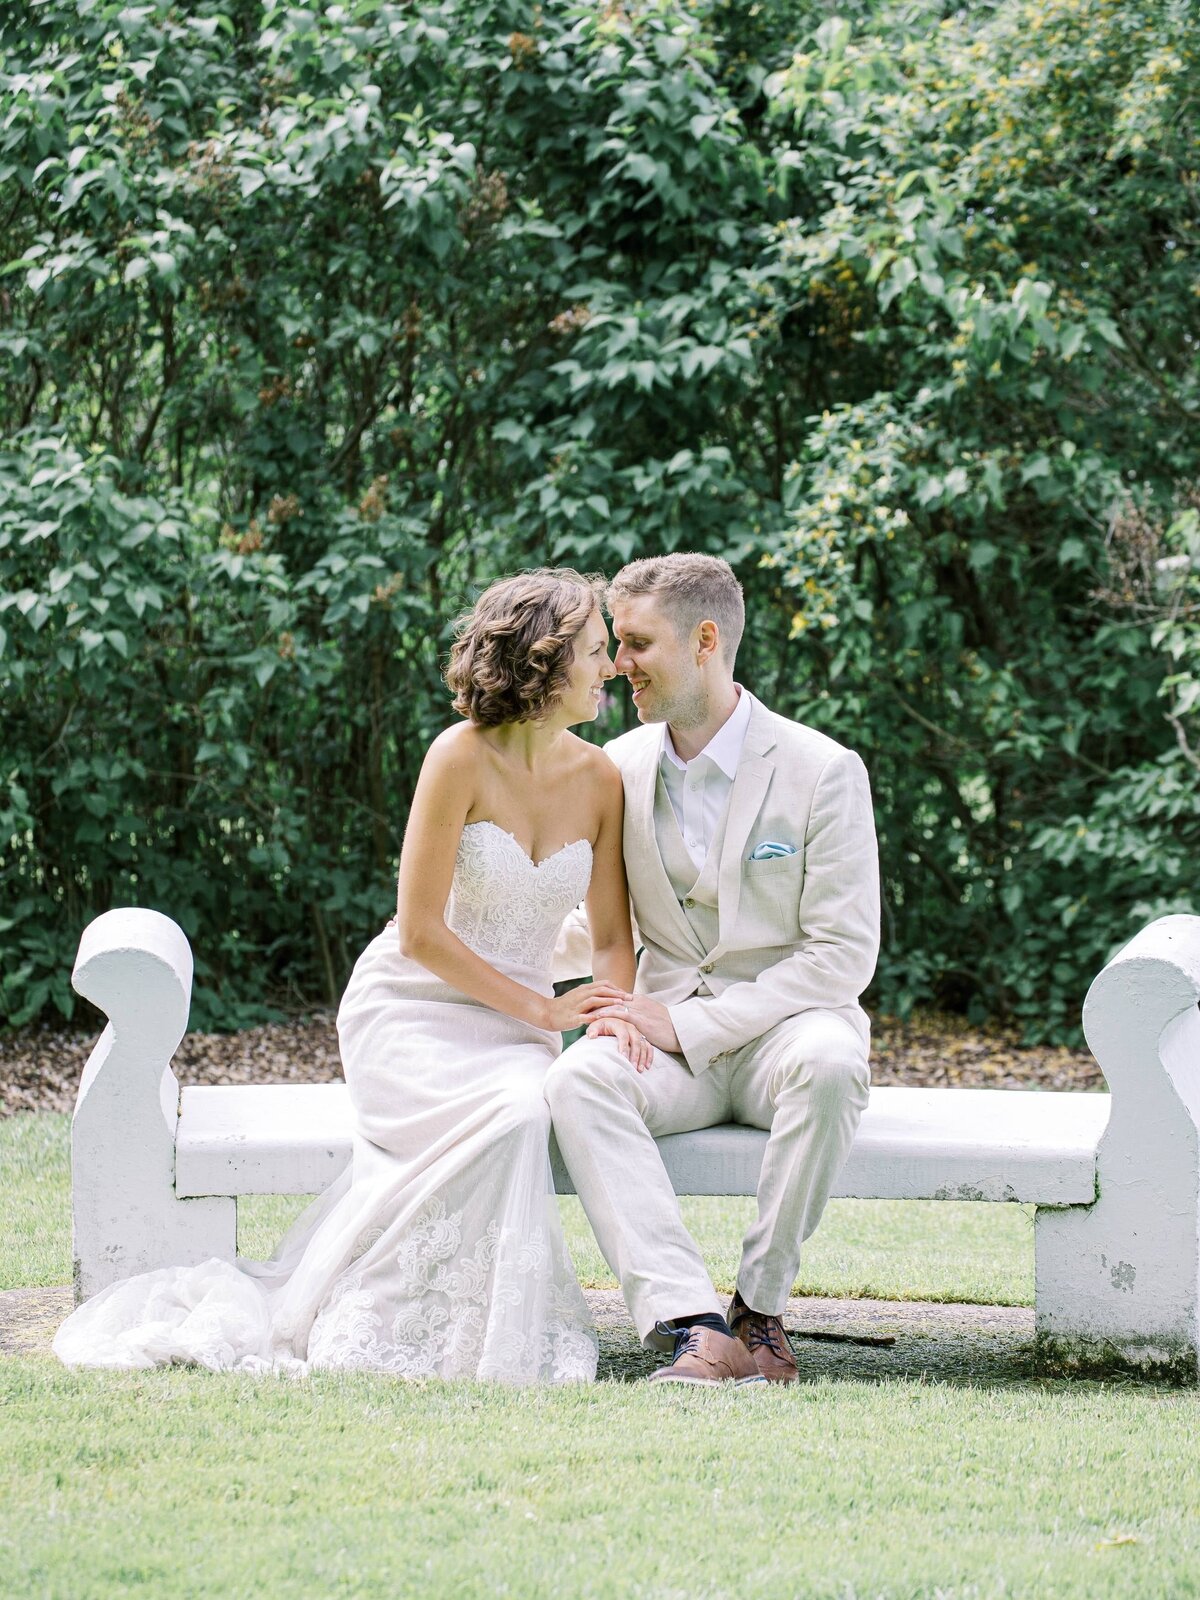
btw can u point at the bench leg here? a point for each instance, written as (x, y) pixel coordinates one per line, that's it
(1115, 1289)
(130, 1221)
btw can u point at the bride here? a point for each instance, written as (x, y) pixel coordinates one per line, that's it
(439, 1252)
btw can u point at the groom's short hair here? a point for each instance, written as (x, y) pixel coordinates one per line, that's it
(690, 588)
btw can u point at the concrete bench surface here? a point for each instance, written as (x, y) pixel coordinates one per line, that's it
(1115, 1178)
(912, 1144)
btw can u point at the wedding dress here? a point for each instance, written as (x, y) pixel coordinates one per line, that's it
(438, 1252)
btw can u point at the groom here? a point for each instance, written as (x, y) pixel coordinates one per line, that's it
(751, 856)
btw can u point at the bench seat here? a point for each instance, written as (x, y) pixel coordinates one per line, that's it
(912, 1144)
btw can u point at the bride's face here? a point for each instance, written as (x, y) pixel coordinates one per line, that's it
(589, 672)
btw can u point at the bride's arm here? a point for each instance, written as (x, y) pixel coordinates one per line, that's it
(607, 902)
(443, 798)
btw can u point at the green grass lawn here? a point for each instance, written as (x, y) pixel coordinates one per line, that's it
(179, 1485)
(896, 1250)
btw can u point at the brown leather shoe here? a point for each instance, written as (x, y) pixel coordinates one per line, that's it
(765, 1341)
(704, 1356)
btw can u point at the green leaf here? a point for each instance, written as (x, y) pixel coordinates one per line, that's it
(832, 37)
(929, 489)
(669, 47)
(903, 273)
(641, 167)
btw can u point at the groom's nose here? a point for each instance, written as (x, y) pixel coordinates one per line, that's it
(623, 661)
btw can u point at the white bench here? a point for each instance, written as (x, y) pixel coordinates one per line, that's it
(1115, 1177)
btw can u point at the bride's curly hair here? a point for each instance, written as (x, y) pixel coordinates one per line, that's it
(513, 650)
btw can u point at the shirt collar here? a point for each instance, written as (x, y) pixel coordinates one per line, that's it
(724, 749)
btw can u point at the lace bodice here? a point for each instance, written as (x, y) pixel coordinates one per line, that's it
(507, 907)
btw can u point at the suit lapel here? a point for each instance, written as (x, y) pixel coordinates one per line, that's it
(750, 787)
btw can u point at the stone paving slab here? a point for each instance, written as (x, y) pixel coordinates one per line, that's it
(959, 1343)
(29, 1318)
(956, 1343)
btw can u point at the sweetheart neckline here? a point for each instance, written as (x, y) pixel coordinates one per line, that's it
(486, 822)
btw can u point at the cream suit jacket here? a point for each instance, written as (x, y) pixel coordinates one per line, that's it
(795, 932)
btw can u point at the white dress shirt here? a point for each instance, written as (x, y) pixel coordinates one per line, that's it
(699, 789)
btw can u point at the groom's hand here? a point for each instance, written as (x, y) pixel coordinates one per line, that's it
(650, 1017)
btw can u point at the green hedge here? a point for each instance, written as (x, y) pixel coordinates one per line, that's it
(312, 321)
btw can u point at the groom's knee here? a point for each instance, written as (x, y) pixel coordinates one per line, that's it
(821, 1058)
(588, 1066)
(832, 1077)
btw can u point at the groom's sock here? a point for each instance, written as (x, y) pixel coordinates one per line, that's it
(707, 1319)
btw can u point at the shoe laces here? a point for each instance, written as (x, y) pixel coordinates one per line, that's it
(687, 1340)
(761, 1330)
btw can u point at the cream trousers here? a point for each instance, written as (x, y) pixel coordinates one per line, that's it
(805, 1081)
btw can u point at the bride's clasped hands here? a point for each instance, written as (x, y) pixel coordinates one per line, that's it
(598, 1007)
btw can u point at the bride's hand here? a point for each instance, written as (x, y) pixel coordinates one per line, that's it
(634, 1046)
(576, 1008)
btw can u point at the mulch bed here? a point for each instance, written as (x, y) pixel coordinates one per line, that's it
(40, 1067)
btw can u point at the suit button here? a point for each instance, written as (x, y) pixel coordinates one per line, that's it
(689, 902)
(707, 967)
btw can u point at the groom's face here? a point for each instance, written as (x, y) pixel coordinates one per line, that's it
(661, 667)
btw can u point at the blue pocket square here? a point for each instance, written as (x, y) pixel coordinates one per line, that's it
(769, 849)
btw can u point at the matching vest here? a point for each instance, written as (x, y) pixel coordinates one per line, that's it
(696, 893)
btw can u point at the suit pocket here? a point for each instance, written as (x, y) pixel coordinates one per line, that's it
(771, 864)
(772, 888)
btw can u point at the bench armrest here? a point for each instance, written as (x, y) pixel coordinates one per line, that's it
(1142, 1025)
(136, 966)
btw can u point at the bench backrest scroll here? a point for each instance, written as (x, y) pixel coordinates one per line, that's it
(136, 966)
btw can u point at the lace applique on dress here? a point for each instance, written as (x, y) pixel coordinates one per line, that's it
(436, 1305)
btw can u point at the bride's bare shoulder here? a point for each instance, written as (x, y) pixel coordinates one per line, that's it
(456, 748)
(597, 767)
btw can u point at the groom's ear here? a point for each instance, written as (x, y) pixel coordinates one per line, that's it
(706, 641)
